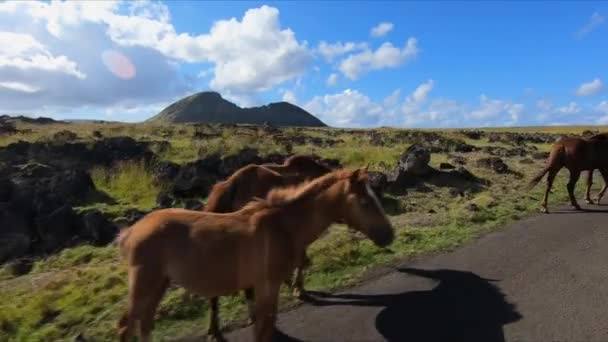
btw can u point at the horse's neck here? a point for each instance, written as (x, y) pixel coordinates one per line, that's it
(314, 216)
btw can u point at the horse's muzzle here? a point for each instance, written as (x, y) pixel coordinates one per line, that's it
(383, 237)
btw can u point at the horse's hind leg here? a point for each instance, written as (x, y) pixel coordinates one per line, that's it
(144, 285)
(589, 182)
(214, 321)
(574, 176)
(250, 297)
(146, 324)
(604, 173)
(550, 179)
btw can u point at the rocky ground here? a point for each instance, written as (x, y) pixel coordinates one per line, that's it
(66, 189)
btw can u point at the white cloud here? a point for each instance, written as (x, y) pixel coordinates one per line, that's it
(419, 95)
(393, 99)
(590, 88)
(331, 51)
(497, 109)
(18, 86)
(386, 56)
(381, 29)
(571, 108)
(544, 105)
(332, 79)
(52, 63)
(603, 120)
(249, 55)
(24, 52)
(602, 107)
(290, 96)
(595, 21)
(350, 108)
(413, 102)
(205, 73)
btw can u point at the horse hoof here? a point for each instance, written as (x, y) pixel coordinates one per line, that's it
(544, 210)
(216, 338)
(589, 201)
(597, 201)
(297, 292)
(577, 207)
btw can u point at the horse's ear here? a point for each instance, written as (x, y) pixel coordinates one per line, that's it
(355, 175)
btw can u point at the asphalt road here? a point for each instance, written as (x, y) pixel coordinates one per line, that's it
(544, 278)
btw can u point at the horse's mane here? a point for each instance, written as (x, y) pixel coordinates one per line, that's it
(222, 193)
(254, 205)
(288, 195)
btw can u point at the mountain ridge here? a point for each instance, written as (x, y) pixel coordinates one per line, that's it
(211, 107)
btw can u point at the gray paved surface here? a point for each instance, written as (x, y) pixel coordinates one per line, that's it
(544, 278)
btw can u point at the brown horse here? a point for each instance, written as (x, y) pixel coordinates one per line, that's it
(577, 155)
(256, 181)
(601, 136)
(256, 247)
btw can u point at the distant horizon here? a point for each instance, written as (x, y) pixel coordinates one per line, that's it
(358, 64)
(471, 128)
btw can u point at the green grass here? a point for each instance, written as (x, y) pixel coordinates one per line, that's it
(83, 289)
(129, 183)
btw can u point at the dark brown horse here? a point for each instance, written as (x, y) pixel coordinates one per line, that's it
(577, 155)
(257, 247)
(254, 181)
(601, 136)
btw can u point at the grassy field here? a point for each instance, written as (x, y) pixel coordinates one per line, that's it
(83, 289)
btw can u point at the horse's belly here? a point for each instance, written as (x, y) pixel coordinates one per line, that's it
(213, 278)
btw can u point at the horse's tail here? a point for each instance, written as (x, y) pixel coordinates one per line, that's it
(121, 239)
(221, 197)
(555, 157)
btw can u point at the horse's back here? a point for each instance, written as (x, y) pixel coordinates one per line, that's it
(584, 154)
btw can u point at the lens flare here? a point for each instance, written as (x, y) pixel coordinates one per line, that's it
(118, 64)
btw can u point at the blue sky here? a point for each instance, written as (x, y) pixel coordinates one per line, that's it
(353, 64)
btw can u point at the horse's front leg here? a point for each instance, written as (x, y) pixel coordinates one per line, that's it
(266, 299)
(298, 283)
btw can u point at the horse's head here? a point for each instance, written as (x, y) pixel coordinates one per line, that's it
(306, 167)
(364, 212)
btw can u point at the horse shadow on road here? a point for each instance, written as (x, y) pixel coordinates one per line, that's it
(461, 307)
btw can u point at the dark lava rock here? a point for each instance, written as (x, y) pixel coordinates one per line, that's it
(378, 182)
(493, 163)
(98, 229)
(446, 166)
(540, 155)
(65, 136)
(415, 160)
(15, 233)
(58, 229)
(164, 200)
(472, 207)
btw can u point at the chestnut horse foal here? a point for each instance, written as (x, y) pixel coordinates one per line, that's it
(256, 181)
(256, 247)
